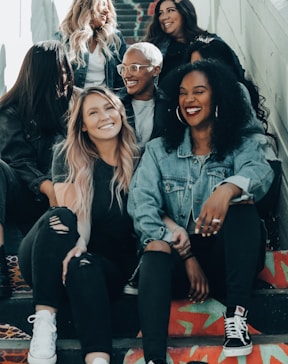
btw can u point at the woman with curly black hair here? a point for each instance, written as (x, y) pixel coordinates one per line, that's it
(257, 128)
(199, 229)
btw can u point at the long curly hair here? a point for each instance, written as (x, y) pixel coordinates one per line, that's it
(43, 88)
(81, 153)
(217, 49)
(233, 112)
(190, 27)
(76, 29)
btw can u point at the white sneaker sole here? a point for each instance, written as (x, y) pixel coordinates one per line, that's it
(130, 290)
(240, 351)
(32, 360)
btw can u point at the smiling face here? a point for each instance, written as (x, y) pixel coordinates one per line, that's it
(101, 120)
(195, 100)
(170, 19)
(140, 85)
(99, 15)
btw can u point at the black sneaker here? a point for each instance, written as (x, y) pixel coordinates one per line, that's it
(237, 339)
(131, 288)
(132, 285)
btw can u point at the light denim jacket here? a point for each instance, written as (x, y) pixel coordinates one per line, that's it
(173, 183)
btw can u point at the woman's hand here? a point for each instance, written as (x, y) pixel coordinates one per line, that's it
(215, 208)
(181, 241)
(199, 287)
(74, 252)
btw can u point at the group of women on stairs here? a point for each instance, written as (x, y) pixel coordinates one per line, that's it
(98, 198)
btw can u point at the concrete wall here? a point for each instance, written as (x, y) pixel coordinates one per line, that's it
(256, 29)
(22, 23)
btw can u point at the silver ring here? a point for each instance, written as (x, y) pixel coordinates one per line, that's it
(217, 221)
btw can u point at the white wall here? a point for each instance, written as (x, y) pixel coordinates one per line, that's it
(22, 23)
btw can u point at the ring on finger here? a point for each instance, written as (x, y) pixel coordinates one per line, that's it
(217, 221)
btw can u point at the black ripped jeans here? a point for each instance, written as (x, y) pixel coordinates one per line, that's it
(92, 281)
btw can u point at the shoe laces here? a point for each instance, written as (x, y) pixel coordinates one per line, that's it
(235, 327)
(44, 332)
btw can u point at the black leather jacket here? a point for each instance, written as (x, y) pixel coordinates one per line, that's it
(26, 149)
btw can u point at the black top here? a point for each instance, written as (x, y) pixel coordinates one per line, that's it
(175, 57)
(112, 234)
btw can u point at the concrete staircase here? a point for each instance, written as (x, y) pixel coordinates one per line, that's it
(133, 18)
(195, 330)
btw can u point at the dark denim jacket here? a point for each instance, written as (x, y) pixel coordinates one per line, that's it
(25, 148)
(113, 79)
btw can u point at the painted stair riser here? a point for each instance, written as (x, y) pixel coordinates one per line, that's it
(261, 354)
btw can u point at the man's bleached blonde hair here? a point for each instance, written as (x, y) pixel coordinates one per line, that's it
(150, 51)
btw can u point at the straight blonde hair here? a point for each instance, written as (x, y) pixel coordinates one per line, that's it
(81, 154)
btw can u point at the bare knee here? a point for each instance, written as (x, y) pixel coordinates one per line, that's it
(57, 225)
(158, 245)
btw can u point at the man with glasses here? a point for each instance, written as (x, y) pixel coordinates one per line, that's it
(141, 97)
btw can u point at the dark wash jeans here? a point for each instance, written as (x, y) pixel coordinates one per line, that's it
(230, 260)
(92, 281)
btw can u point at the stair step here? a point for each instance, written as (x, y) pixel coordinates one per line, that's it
(211, 352)
(266, 349)
(195, 330)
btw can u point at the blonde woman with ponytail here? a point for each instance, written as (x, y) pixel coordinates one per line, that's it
(86, 247)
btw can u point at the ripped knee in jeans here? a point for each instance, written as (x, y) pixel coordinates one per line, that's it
(56, 224)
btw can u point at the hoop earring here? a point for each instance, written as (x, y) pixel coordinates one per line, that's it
(216, 112)
(179, 117)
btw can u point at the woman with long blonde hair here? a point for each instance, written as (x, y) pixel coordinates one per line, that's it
(90, 237)
(95, 44)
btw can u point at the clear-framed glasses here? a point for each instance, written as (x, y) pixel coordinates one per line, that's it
(133, 68)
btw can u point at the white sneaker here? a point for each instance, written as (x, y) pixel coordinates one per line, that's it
(43, 343)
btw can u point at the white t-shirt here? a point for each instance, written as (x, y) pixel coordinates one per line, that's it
(144, 117)
(96, 69)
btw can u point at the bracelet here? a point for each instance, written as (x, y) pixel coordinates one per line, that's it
(187, 256)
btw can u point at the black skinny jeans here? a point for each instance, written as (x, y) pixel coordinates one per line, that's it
(92, 281)
(17, 203)
(230, 260)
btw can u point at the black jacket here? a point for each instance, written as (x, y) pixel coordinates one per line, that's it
(26, 149)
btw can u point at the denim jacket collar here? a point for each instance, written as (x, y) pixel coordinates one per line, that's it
(185, 148)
